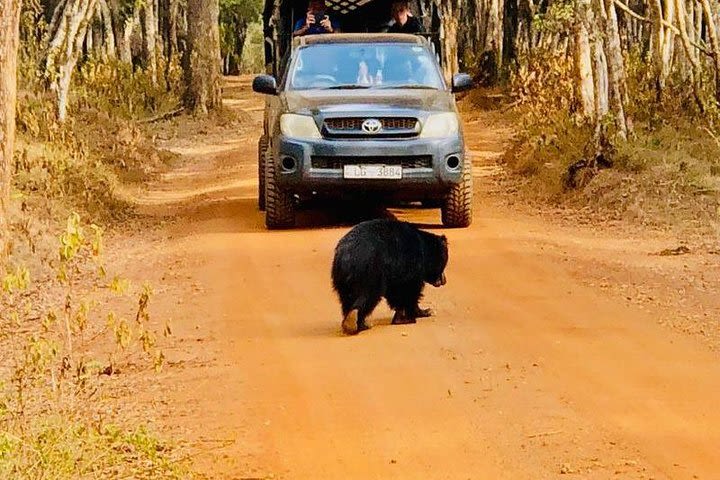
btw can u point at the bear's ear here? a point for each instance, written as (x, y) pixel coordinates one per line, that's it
(444, 239)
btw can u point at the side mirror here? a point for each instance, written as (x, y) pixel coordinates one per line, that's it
(461, 83)
(265, 84)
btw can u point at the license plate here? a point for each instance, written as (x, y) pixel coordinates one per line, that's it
(373, 172)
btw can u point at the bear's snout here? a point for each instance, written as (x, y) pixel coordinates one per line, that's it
(440, 281)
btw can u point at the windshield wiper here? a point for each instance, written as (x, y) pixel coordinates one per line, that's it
(349, 86)
(402, 87)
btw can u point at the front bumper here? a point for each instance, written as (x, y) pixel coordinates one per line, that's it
(429, 175)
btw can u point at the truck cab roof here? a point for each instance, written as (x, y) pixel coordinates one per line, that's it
(360, 20)
(340, 38)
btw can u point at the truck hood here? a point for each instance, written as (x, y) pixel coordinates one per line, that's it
(324, 102)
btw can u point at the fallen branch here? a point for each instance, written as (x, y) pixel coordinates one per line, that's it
(510, 106)
(674, 252)
(163, 116)
(714, 137)
(545, 434)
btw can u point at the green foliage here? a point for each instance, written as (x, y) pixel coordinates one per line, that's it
(558, 18)
(666, 173)
(114, 87)
(253, 57)
(62, 170)
(53, 423)
(543, 152)
(543, 88)
(236, 17)
(33, 43)
(65, 448)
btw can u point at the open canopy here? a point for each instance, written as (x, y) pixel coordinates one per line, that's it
(354, 16)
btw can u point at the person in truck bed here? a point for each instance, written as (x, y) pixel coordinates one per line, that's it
(316, 21)
(405, 22)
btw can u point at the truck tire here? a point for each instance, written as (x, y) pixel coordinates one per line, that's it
(457, 208)
(262, 148)
(279, 204)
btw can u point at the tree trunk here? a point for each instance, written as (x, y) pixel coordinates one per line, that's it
(714, 44)
(109, 44)
(203, 63)
(511, 21)
(616, 71)
(65, 48)
(695, 67)
(9, 35)
(658, 40)
(170, 22)
(450, 16)
(600, 78)
(150, 39)
(668, 37)
(131, 24)
(584, 86)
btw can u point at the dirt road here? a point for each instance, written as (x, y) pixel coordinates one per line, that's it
(523, 373)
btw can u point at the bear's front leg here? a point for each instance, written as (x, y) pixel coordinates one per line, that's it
(401, 318)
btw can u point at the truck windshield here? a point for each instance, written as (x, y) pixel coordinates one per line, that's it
(364, 66)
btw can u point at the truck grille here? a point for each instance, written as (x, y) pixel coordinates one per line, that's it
(336, 163)
(352, 127)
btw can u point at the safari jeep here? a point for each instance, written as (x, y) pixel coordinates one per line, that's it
(329, 132)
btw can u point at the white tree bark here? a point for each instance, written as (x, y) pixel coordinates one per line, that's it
(585, 83)
(65, 48)
(656, 43)
(690, 53)
(714, 44)
(109, 44)
(668, 37)
(600, 77)
(150, 41)
(129, 28)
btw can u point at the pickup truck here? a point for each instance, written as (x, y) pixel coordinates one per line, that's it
(366, 115)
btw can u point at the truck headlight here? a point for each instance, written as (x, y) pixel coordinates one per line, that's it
(299, 126)
(440, 125)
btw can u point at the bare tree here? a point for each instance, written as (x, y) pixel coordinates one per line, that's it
(711, 17)
(129, 27)
(450, 15)
(616, 70)
(150, 25)
(695, 70)
(203, 65)
(109, 44)
(67, 33)
(9, 34)
(584, 81)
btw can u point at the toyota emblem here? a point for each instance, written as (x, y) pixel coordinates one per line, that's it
(372, 125)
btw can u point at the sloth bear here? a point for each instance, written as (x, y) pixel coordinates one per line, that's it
(391, 259)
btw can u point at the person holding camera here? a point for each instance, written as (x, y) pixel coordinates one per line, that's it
(316, 21)
(405, 22)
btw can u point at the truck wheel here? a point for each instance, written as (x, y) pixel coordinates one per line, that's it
(457, 209)
(262, 148)
(279, 205)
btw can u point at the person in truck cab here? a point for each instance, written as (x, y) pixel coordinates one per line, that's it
(405, 22)
(316, 21)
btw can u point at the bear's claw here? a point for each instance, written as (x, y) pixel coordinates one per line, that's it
(401, 319)
(423, 313)
(350, 323)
